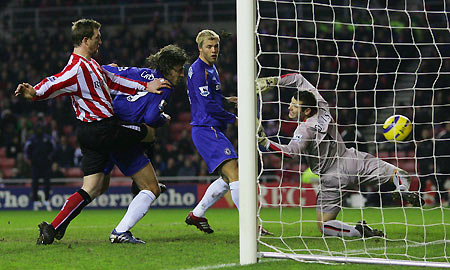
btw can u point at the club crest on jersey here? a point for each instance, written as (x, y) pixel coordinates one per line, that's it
(227, 151)
(204, 90)
(217, 87)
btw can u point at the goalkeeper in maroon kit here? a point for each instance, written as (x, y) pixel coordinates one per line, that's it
(341, 169)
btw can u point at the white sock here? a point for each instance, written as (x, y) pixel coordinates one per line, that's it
(400, 181)
(339, 228)
(234, 188)
(215, 191)
(136, 210)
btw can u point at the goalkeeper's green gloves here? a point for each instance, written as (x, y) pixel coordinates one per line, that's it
(266, 83)
(262, 138)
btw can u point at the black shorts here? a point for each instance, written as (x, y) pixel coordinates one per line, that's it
(97, 139)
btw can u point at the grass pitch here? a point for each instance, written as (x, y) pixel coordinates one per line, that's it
(173, 245)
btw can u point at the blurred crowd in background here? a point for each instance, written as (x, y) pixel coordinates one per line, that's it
(355, 76)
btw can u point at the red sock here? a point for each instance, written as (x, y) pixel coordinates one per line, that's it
(71, 208)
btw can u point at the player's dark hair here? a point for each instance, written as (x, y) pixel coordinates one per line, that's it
(167, 58)
(83, 28)
(308, 101)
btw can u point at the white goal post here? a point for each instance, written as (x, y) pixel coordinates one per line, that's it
(370, 59)
(246, 130)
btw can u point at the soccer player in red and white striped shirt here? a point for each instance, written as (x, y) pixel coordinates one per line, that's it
(98, 132)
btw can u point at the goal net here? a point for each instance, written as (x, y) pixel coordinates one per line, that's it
(369, 60)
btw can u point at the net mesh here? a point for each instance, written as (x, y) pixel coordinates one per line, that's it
(369, 60)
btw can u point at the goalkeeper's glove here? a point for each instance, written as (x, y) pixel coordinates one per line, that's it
(266, 83)
(262, 138)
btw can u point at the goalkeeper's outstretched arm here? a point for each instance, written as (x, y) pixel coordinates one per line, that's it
(292, 80)
(290, 150)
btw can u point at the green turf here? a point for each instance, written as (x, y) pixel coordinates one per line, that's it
(173, 245)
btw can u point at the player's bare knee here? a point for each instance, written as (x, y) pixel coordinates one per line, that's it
(93, 191)
(150, 185)
(156, 190)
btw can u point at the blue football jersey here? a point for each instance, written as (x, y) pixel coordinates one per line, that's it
(205, 97)
(143, 107)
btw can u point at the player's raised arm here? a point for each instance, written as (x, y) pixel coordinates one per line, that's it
(296, 80)
(26, 90)
(292, 80)
(129, 86)
(266, 83)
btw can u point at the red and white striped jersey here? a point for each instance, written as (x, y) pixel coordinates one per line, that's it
(89, 86)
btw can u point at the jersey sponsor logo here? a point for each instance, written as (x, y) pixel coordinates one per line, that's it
(96, 84)
(137, 128)
(297, 138)
(227, 151)
(147, 76)
(190, 72)
(122, 68)
(204, 90)
(135, 97)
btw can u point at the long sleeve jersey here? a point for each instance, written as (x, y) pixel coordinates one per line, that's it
(143, 107)
(205, 97)
(89, 87)
(317, 139)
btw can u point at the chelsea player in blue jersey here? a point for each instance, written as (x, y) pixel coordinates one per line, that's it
(142, 108)
(209, 121)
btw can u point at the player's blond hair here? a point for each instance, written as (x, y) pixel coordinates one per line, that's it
(206, 35)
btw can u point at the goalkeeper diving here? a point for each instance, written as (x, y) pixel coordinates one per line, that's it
(340, 169)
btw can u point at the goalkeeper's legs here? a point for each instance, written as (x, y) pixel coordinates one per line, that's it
(148, 184)
(329, 226)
